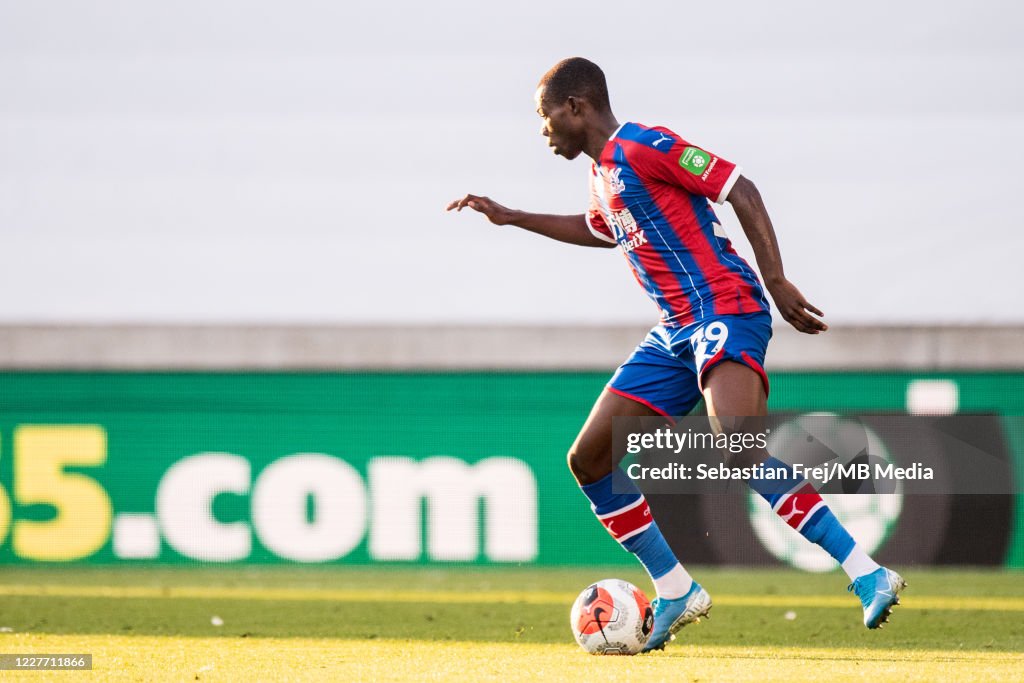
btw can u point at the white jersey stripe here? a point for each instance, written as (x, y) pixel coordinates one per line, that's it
(810, 513)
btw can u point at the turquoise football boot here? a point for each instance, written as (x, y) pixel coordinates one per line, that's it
(879, 592)
(672, 615)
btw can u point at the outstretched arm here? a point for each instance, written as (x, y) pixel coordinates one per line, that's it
(746, 201)
(571, 229)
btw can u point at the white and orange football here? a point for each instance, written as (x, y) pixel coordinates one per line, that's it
(612, 617)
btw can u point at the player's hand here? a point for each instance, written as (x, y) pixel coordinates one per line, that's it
(495, 212)
(795, 308)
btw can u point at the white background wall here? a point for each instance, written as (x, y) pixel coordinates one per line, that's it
(288, 162)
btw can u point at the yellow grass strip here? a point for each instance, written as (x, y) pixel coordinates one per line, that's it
(156, 658)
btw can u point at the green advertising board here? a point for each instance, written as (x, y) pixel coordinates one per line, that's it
(344, 467)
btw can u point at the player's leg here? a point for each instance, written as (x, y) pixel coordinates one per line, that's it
(651, 382)
(623, 510)
(615, 498)
(734, 388)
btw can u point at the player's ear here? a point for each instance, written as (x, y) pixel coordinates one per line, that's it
(575, 105)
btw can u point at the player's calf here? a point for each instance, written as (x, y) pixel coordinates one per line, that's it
(623, 511)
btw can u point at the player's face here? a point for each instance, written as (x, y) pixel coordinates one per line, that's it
(562, 126)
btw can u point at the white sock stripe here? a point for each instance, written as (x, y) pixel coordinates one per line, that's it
(637, 503)
(785, 496)
(634, 532)
(810, 513)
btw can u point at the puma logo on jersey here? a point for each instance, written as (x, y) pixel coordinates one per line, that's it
(664, 142)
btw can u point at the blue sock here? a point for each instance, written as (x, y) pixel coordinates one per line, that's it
(800, 506)
(622, 510)
(824, 529)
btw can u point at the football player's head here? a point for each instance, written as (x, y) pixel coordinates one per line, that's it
(569, 97)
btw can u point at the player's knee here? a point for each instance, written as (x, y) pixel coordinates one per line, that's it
(576, 465)
(587, 467)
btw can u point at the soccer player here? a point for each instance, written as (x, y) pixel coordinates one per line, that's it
(649, 192)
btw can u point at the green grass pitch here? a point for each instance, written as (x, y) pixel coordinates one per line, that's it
(495, 624)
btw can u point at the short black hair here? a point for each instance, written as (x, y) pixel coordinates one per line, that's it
(576, 77)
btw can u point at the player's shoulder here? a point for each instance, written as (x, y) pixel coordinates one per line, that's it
(640, 139)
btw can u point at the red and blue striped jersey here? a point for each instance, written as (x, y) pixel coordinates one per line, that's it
(649, 193)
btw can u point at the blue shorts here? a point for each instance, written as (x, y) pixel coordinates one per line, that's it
(666, 371)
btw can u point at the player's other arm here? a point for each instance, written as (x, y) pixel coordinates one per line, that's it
(753, 216)
(570, 229)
